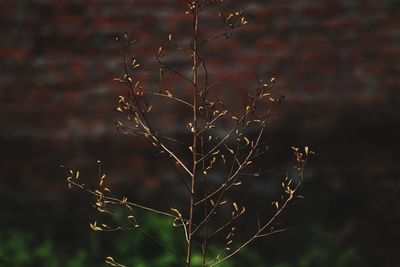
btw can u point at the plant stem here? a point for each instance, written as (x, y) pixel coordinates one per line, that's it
(194, 145)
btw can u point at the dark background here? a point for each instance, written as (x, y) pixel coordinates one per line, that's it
(336, 62)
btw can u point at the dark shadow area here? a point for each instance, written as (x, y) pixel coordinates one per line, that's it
(337, 66)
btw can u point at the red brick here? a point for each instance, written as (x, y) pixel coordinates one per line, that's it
(389, 53)
(69, 21)
(342, 24)
(391, 23)
(14, 53)
(321, 46)
(321, 9)
(270, 44)
(43, 96)
(8, 7)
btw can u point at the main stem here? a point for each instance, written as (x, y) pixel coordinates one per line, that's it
(194, 131)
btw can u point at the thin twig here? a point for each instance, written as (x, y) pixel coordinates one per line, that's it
(83, 187)
(174, 70)
(171, 97)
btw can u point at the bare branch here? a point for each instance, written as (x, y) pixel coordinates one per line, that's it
(166, 66)
(259, 232)
(230, 180)
(116, 200)
(171, 97)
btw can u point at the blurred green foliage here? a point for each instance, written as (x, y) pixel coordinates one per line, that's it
(135, 249)
(326, 249)
(19, 249)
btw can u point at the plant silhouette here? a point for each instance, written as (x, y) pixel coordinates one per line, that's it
(224, 145)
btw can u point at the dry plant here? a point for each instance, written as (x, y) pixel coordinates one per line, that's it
(224, 145)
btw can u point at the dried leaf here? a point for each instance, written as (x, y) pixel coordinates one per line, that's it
(95, 227)
(168, 93)
(247, 140)
(161, 51)
(112, 262)
(215, 152)
(243, 210)
(222, 203)
(212, 202)
(177, 212)
(235, 206)
(230, 151)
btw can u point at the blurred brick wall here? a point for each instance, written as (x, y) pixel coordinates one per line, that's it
(337, 62)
